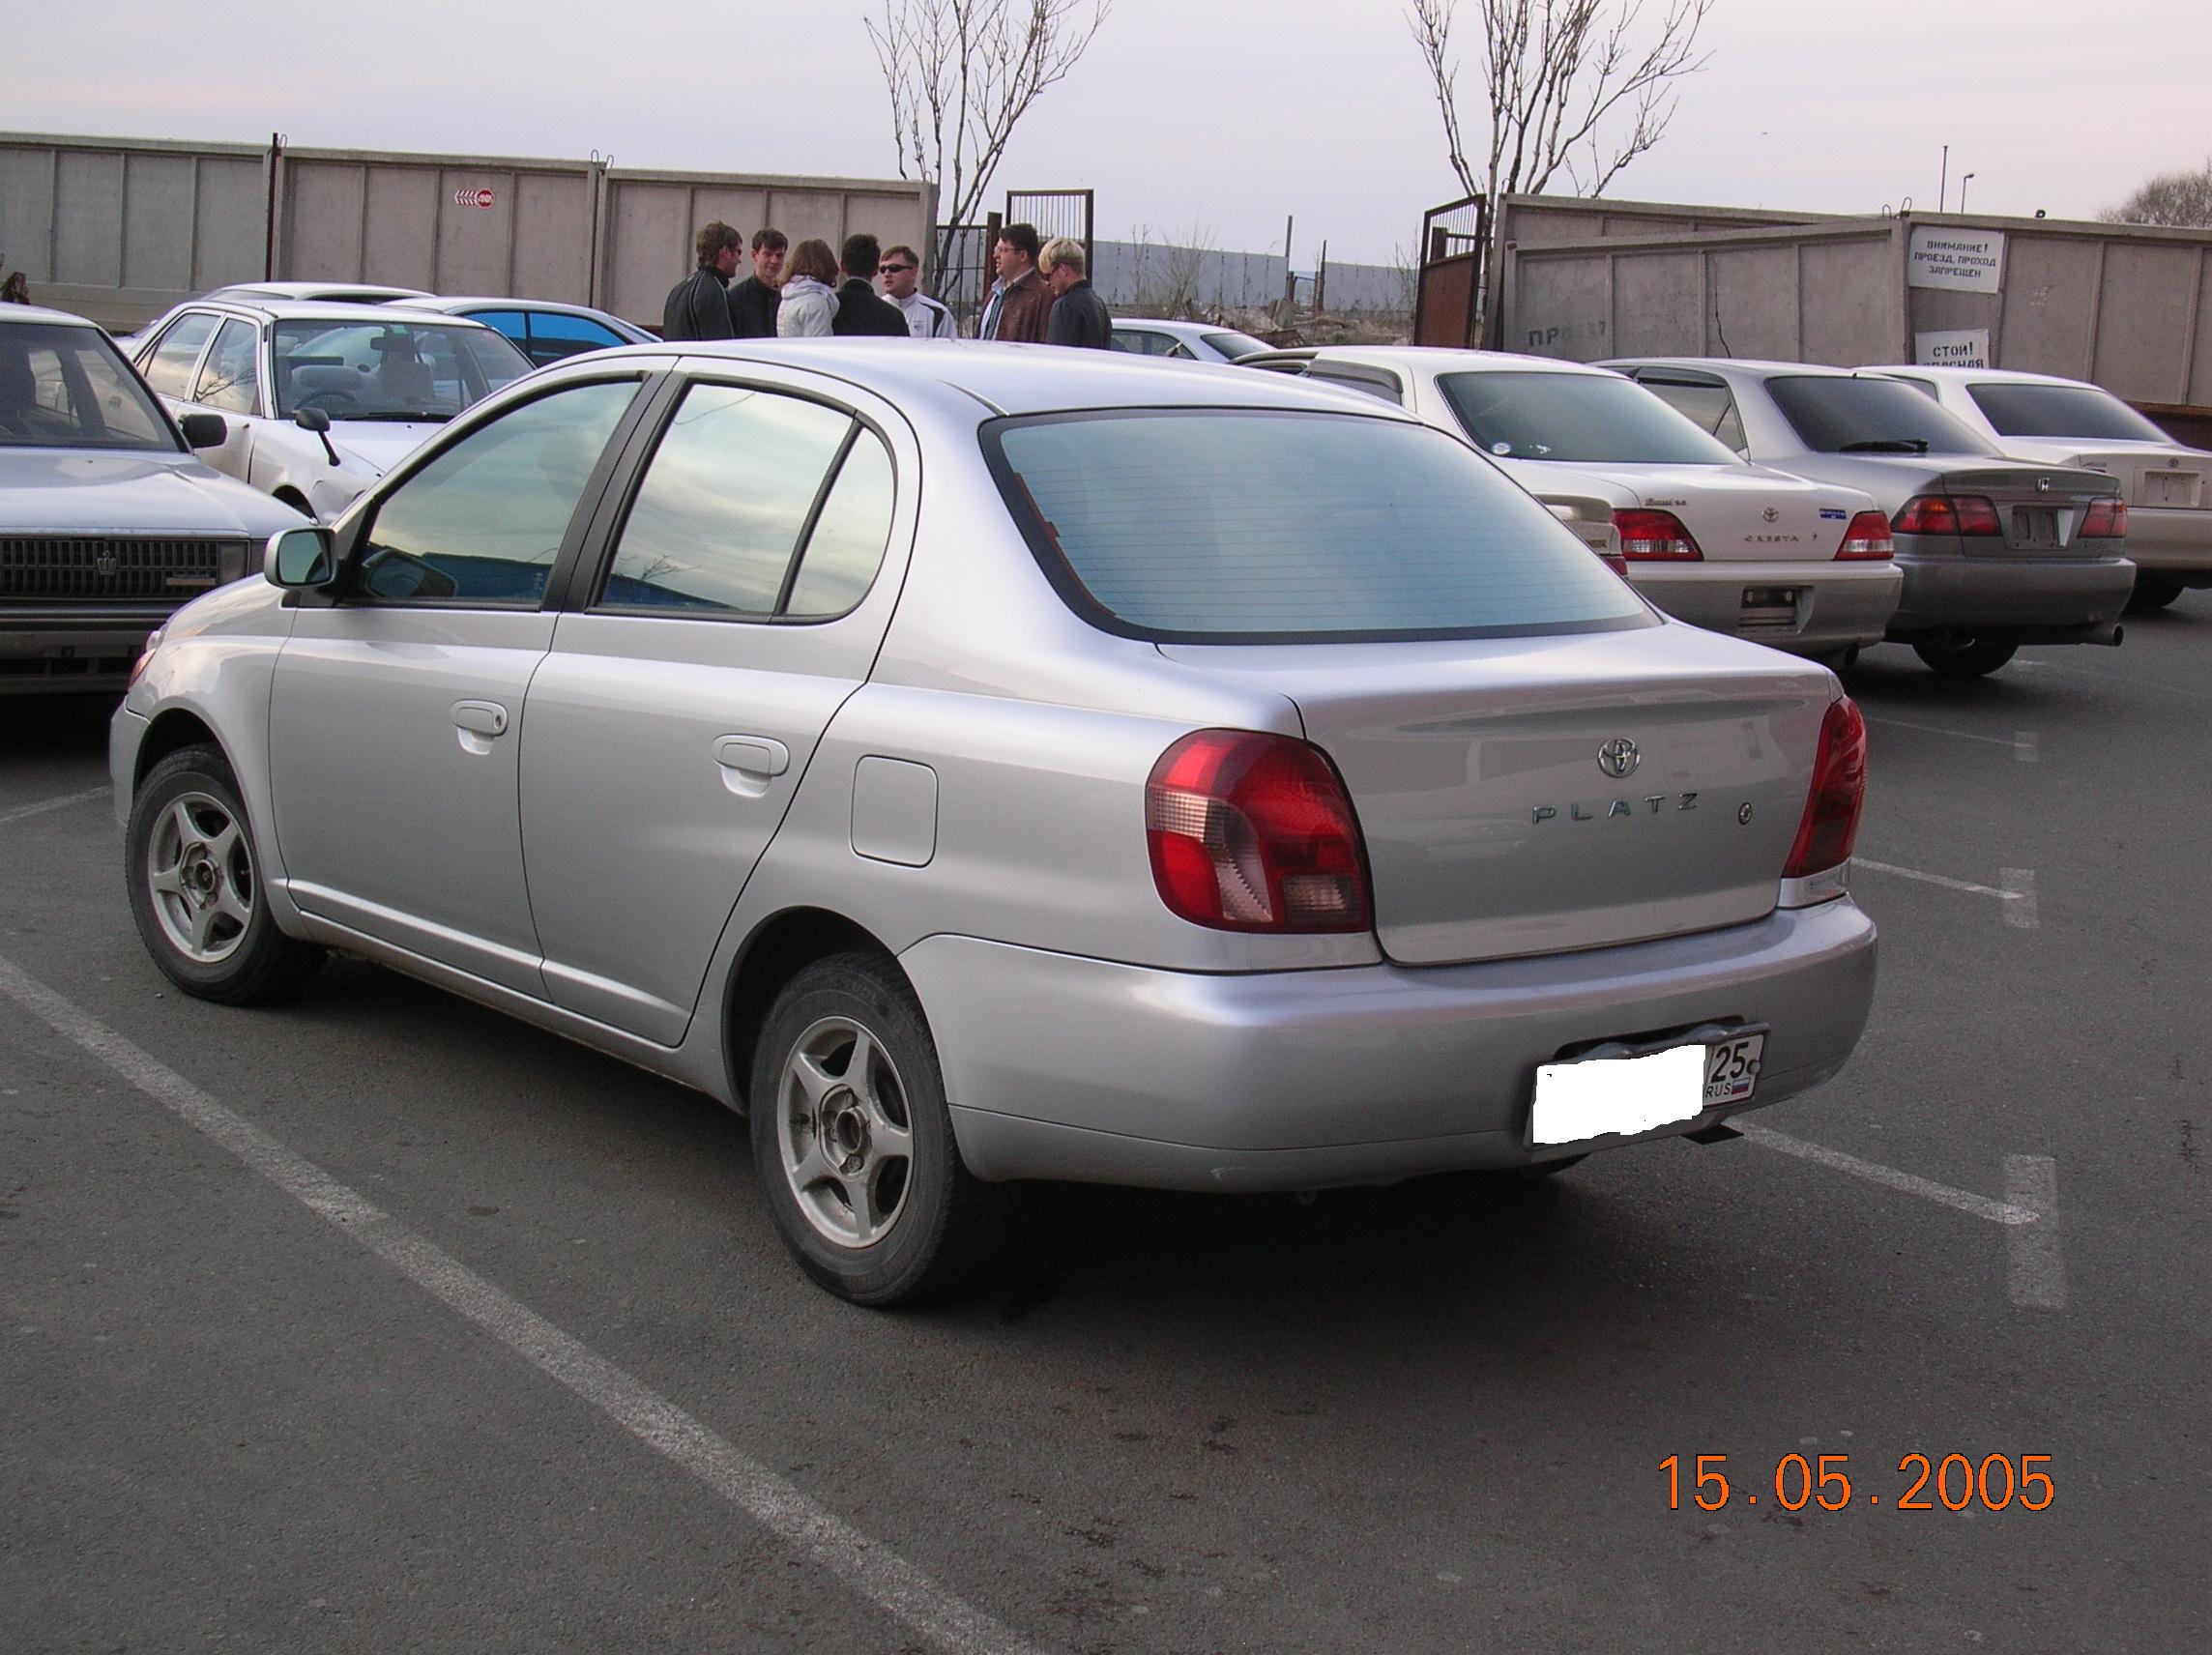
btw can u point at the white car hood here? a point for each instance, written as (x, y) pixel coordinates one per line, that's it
(1736, 513)
(86, 491)
(379, 444)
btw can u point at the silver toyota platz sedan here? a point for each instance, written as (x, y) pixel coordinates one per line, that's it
(984, 764)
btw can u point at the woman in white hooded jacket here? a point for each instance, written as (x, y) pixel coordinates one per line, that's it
(809, 298)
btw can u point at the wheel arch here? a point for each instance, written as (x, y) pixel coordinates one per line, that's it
(172, 729)
(780, 947)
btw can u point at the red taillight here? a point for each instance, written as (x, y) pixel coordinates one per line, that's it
(1946, 515)
(1831, 824)
(1655, 536)
(1253, 833)
(1867, 537)
(2108, 520)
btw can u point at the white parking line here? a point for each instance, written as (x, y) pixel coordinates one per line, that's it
(877, 1573)
(45, 805)
(2012, 741)
(2022, 892)
(2037, 1270)
(2025, 748)
(1965, 1201)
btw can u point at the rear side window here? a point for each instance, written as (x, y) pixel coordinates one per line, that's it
(555, 338)
(1706, 404)
(169, 369)
(1833, 415)
(741, 481)
(1212, 525)
(228, 381)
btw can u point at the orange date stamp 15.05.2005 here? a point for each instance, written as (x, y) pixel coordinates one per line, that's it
(1996, 1482)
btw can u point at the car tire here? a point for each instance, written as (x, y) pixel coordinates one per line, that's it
(196, 890)
(854, 1140)
(1976, 657)
(2154, 593)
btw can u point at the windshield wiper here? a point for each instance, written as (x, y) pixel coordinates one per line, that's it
(400, 414)
(1886, 446)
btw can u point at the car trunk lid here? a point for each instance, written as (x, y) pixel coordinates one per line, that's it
(1496, 826)
(1740, 515)
(2040, 509)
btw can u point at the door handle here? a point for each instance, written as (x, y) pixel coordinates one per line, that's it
(750, 762)
(483, 718)
(477, 723)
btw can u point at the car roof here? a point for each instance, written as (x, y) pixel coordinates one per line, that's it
(1748, 368)
(1982, 375)
(1440, 358)
(451, 304)
(328, 310)
(41, 313)
(1180, 330)
(308, 290)
(1018, 379)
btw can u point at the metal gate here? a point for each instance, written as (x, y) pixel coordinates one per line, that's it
(1056, 213)
(1448, 294)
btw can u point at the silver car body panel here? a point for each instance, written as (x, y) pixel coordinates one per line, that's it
(964, 785)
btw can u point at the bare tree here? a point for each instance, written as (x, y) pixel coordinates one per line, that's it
(2179, 198)
(1576, 86)
(961, 74)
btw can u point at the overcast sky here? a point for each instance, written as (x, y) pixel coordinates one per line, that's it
(1214, 118)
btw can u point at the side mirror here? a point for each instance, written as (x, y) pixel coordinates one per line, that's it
(203, 430)
(302, 557)
(315, 420)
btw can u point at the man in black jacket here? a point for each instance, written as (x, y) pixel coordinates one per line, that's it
(753, 300)
(1079, 316)
(859, 310)
(698, 308)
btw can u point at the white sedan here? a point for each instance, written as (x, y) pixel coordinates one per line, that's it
(2039, 416)
(1707, 537)
(320, 399)
(1186, 341)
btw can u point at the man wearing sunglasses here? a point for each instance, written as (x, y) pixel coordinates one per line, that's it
(925, 317)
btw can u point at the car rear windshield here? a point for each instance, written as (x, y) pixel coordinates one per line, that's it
(1223, 525)
(1833, 415)
(67, 388)
(389, 371)
(2062, 411)
(1235, 346)
(1592, 417)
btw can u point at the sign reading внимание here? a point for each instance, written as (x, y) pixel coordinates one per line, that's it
(1971, 261)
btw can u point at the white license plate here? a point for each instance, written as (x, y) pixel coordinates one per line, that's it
(1622, 1096)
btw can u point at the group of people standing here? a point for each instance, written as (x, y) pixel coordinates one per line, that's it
(1042, 294)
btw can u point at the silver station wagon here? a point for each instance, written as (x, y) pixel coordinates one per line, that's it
(984, 764)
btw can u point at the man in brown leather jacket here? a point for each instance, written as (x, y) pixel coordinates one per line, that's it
(1020, 305)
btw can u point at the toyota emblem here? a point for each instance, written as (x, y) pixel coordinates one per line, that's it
(1772, 515)
(1619, 758)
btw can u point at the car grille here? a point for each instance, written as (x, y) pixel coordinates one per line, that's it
(114, 568)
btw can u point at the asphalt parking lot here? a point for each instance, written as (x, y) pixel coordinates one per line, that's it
(379, 1321)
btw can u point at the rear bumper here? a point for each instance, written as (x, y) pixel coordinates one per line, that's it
(1062, 1067)
(1838, 606)
(46, 650)
(2170, 543)
(2050, 597)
